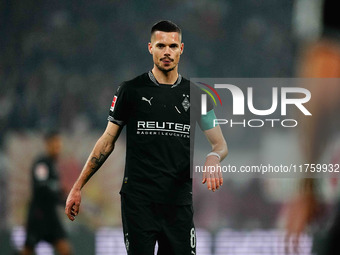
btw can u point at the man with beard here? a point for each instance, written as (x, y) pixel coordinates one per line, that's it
(156, 194)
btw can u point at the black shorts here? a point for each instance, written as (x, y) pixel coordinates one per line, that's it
(42, 225)
(146, 222)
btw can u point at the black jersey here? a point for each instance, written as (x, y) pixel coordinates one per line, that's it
(157, 119)
(45, 184)
(43, 222)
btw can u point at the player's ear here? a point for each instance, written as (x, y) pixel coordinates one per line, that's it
(150, 47)
(182, 47)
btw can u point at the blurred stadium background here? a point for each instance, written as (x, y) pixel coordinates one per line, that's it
(60, 64)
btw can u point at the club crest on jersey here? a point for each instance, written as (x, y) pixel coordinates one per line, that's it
(113, 103)
(186, 103)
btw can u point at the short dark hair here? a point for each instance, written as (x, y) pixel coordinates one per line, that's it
(165, 26)
(51, 134)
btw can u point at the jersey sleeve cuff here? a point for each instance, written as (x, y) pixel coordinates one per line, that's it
(118, 122)
(207, 121)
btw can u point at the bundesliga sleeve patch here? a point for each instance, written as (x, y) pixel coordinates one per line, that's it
(113, 103)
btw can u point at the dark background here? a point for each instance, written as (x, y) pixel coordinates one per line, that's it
(61, 62)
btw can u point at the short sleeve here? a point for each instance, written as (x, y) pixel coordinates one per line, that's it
(119, 110)
(210, 103)
(204, 121)
(208, 120)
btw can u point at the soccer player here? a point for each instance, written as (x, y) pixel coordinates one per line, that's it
(43, 222)
(156, 194)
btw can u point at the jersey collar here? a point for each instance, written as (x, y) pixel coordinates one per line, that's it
(153, 79)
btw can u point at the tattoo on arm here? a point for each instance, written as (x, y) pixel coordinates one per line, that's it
(110, 134)
(96, 163)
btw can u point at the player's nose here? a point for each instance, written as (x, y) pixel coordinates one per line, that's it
(167, 51)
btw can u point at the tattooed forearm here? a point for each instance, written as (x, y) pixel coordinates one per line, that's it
(96, 163)
(100, 152)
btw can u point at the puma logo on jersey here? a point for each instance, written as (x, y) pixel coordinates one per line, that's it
(147, 100)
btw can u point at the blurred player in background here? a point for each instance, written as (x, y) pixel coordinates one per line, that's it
(156, 194)
(320, 59)
(43, 222)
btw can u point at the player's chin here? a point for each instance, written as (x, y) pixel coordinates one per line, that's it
(167, 69)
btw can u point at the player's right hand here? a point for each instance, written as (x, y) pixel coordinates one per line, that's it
(73, 203)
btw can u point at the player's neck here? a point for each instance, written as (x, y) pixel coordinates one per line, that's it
(165, 77)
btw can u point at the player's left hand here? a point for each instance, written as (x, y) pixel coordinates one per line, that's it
(213, 174)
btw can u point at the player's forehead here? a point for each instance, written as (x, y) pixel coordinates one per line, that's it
(166, 37)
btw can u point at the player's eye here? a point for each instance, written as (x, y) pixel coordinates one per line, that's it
(173, 46)
(160, 46)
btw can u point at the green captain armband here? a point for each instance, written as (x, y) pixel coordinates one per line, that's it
(207, 121)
